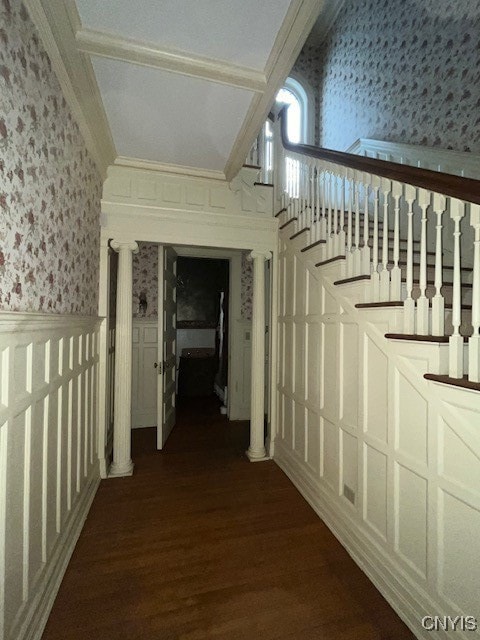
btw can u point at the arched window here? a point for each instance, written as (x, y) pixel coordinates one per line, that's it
(298, 115)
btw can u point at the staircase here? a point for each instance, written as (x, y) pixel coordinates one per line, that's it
(377, 410)
(400, 238)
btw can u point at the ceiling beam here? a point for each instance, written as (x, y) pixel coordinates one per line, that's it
(298, 22)
(102, 44)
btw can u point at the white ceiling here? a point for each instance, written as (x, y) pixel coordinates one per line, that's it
(237, 31)
(187, 82)
(177, 85)
(160, 116)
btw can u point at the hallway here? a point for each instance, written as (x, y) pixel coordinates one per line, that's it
(200, 543)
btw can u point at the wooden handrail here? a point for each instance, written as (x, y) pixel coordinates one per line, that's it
(466, 189)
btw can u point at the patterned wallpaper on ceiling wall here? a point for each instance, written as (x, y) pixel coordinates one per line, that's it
(403, 72)
(50, 188)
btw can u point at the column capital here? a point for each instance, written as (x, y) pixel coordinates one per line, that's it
(259, 254)
(118, 245)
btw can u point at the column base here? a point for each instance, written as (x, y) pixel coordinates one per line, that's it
(257, 456)
(120, 471)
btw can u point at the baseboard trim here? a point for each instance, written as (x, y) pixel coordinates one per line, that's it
(35, 619)
(409, 601)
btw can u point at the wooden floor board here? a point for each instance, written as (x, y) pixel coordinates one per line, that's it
(201, 544)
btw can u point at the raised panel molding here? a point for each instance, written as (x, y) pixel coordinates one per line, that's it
(390, 462)
(174, 209)
(49, 467)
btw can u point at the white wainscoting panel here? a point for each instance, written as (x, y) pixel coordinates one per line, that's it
(49, 469)
(144, 373)
(240, 375)
(390, 461)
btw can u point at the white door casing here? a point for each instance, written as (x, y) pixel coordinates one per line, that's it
(167, 323)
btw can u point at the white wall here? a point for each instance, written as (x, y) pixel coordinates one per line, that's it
(49, 469)
(390, 461)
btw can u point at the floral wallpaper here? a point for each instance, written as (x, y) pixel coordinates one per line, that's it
(400, 71)
(145, 281)
(247, 287)
(307, 70)
(50, 188)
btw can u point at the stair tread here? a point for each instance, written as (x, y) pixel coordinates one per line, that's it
(298, 233)
(320, 264)
(287, 223)
(352, 279)
(456, 382)
(398, 303)
(419, 338)
(311, 246)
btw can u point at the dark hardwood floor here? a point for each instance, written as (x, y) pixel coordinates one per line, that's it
(200, 543)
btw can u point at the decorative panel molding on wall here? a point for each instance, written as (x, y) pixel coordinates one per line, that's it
(49, 468)
(390, 461)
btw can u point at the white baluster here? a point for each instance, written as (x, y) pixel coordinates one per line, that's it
(474, 341)
(384, 273)
(438, 301)
(396, 272)
(349, 254)
(316, 235)
(409, 303)
(375, 276)
(329, 216)
(341, 231)
(356, 254)
(457, 211)
(336, 212)
(423, 303)
(366, 228)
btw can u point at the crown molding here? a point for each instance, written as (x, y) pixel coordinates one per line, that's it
(290, 39)
(324, 23)
(164, 167)
(99, 43)
(57, 22)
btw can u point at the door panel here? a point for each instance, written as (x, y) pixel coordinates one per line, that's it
(167, 331)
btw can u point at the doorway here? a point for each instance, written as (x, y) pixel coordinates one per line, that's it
(202, 327)
(208, 325)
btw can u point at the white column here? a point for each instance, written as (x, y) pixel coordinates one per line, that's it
(256, 450)
(122, 464)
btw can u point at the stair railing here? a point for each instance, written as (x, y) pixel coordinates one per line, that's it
(387, 221)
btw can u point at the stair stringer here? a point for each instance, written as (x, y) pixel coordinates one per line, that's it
(415, 501)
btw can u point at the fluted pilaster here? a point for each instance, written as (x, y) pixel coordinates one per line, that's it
(256, 450)
(122, 464)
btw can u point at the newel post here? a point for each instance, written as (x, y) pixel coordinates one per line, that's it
(122, 464)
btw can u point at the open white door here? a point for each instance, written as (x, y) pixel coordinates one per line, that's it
(167, 342)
